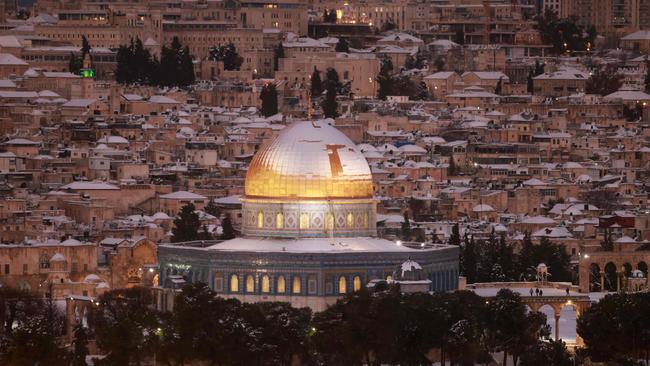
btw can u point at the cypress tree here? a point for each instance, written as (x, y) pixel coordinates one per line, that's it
(316, 85)
(330, 105)
(269, 97)
(385, 78)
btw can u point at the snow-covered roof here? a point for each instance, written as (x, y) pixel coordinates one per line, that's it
(628, 95)
(642, 35)
(482, 208)
(161, 99)
(87, 186)
(58, 257)
(183, 195)
(9, 59)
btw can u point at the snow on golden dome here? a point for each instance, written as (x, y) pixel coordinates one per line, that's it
(309, 160)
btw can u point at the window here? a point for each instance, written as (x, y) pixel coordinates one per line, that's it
(295, 288)
(6, 269)
(260, 219)
(218, 283)
(350, 219)
(234, 283)
(24, 268)
(312, 285)
(250, 284)
(365, 220)
(266, 284)
(45, 261)
(281, 286)
(389, 278)
(279, 220)
(304, 221)
(356, 283)
(343, 283)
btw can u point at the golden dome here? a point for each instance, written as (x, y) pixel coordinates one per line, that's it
(310, 160)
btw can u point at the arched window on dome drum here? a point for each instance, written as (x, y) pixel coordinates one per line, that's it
(304, 221)
(234, 283)
(250, 284)
(282, 285)
(260, 219)
(295, 288)
(343, 284)
(356, 283)
(266, 284)
(279, 220)
(329, 221)
(350, 220)
(365, 220)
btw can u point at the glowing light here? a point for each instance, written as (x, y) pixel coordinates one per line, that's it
(399, 242)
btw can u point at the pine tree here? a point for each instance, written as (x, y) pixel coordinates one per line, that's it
(342, 46)
(79, 346)
(227, 230)
(409, 63)
(230, 58)
(499, 87)
(604, 80)
(124, 62)
(385, 78)
(211, 208)
(278, 53)
(316, 85)
(469, 259)
(269, 97)
(406, 227)
(647, 76)
(73, 64)
(332, 77)
(186, 225)
(329, 104)
(454, 238)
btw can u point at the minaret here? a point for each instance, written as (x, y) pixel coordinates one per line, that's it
(87, 81)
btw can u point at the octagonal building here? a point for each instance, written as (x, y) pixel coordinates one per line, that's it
(308, 229)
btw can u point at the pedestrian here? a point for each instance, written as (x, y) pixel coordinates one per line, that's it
(541, 293)
(531, 291)
(567, 291)
(536, 291)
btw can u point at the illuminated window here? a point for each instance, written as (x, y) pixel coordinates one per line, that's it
(329, 221)
(282, 286)
(260, 219)
(234, 283)
(279, 220)
(266, 284)
(250, 284)
(343, 283)
(350, 219)
(356, 283)
(389, 278)
(304, 221)
(365, 220)
(296, 285)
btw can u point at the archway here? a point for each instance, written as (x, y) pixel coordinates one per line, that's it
(568, 319)
(643, 267)
(594, 278)
(550, 317)
(611, 277)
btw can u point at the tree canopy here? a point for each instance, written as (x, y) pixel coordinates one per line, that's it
(231, 59)
(269, 97)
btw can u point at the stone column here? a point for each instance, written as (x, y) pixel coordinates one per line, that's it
(557, 326)
(602, 281)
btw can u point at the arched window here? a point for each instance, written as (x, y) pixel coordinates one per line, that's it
(365, 220)
(343, 284)
(282, 285)
(266, 284)
(250, 284)
(295, 288)
(234, 283)
(356, 283)
(45, 261)
(304, 221)
(350, 219)
(279, 220)
(329, 221)
(260, 219)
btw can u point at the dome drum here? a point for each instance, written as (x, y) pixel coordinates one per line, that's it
(271, 218)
